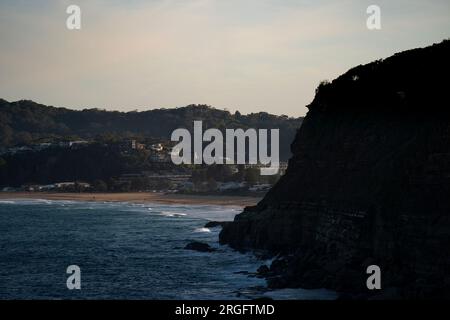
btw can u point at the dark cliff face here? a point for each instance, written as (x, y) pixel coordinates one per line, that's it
(368, 183)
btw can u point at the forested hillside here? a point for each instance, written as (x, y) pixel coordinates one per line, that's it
(25, 122)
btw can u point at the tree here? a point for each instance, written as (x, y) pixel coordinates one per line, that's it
(24, 137)
(100, 185)
(138, 183)
(273, 178)
(252, 175)
(212, 184)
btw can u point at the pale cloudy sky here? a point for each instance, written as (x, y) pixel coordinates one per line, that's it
(247, 55)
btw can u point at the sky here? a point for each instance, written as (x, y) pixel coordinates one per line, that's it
(246, 55)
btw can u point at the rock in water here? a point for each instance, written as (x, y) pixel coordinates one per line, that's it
(215, 224)
(368, 184)
(199, 246)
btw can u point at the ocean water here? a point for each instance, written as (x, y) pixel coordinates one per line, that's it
(125, 251)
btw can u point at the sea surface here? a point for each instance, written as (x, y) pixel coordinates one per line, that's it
(124, 251)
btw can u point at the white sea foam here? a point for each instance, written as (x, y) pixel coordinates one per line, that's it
(7, 202)
(27, 201)
(202, 230)
(172, 214)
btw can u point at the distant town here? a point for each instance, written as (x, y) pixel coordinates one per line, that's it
(149, 169)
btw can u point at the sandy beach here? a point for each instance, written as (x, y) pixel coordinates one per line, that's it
(137, 197)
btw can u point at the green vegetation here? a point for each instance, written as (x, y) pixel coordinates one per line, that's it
(26, 122)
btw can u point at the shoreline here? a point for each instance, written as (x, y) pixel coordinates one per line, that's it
(138, 197)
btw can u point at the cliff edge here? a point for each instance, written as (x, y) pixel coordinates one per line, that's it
(368, 183)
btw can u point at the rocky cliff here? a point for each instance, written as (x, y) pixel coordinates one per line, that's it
(368, 183)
